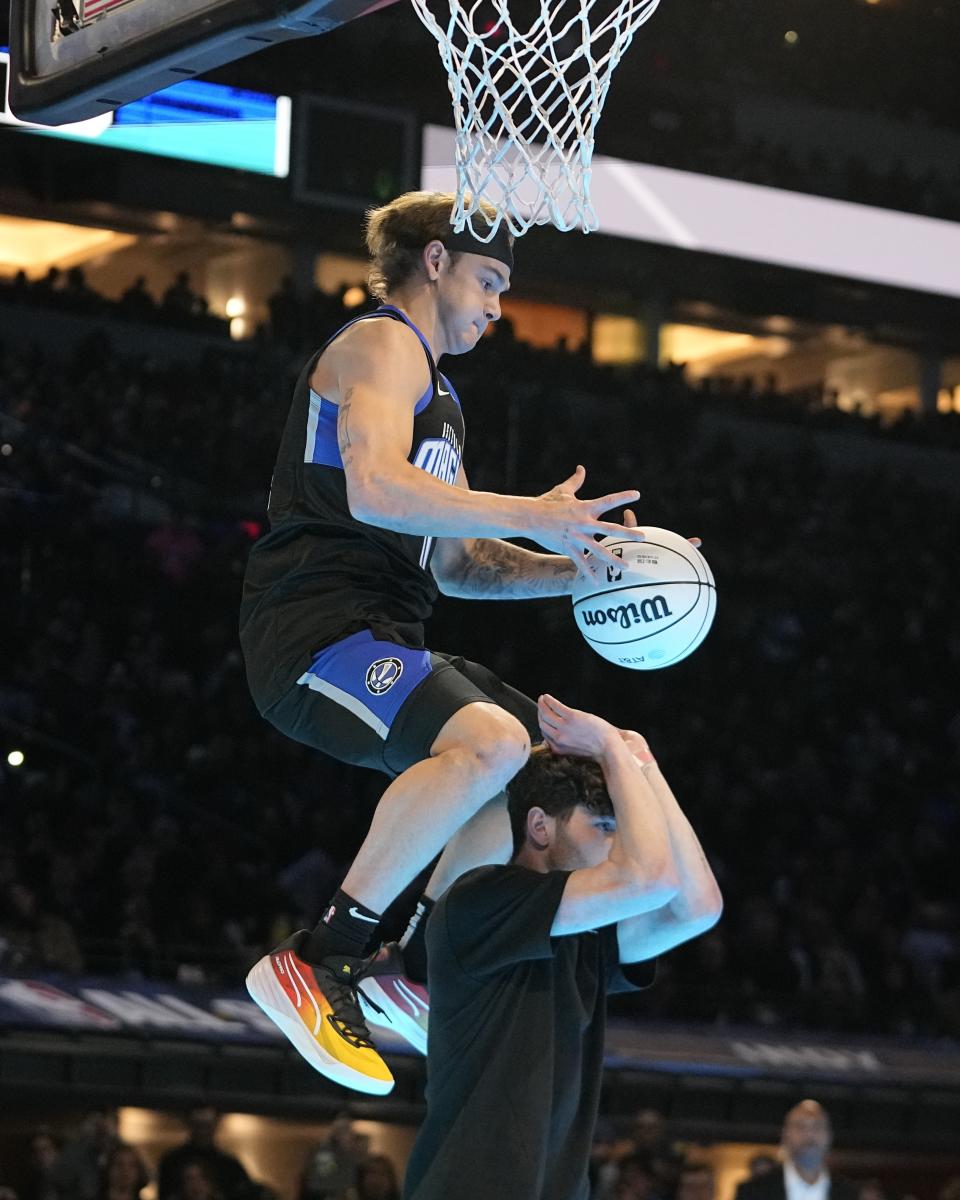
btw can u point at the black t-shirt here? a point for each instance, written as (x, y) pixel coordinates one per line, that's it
(319, 574)
(516, 1041)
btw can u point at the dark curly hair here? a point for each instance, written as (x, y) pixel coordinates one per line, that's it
(557, 783)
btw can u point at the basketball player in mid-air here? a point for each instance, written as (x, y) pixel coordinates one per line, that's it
(370, 511)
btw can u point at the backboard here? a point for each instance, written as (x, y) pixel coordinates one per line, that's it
(75, 59)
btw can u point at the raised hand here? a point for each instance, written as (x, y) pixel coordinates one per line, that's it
(570, 526)
(568, 730)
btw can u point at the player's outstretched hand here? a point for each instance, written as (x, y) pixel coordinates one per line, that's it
(570, 731)
(570, 526)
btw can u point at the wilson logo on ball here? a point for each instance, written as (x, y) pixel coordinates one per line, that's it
(627, 615)
(650, 609)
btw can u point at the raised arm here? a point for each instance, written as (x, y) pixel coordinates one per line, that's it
(639, 875)
(698, 904)
(375, 373)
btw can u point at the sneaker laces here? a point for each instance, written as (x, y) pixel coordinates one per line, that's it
(346, 1015)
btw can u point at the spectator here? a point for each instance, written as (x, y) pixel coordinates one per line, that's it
(805, 1143)
(42, 1156)
(652, 1146)
(377, 1179)
(181, 305)
(331, 1169)
(197, 1182)
(637, 1180)
(696, 1182)
(81, 1167)
(218, 1169)
(124, 1175)
(137, 303)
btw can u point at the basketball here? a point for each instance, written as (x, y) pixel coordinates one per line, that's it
(652, 612)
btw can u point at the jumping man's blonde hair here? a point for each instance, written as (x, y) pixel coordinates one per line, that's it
(397, 233)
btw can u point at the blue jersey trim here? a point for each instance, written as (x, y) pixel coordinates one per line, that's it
(322, 447)
(321, 444)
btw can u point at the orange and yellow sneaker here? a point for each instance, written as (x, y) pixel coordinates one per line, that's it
(316, 1007)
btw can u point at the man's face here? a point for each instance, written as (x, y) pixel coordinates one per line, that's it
(806, 1137)
(648, 1128)
(696, 1185)
(203, 1125)
(469, 298)
(584, 840)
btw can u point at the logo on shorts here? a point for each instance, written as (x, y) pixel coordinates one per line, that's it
(382, 675)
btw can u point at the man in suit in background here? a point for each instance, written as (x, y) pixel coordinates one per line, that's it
(804, 1143)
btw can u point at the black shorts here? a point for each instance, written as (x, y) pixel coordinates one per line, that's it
(378, 704)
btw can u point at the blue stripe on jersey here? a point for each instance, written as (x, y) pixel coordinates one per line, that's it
(321, 445)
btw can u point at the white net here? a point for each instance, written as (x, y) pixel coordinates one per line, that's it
(527, 95)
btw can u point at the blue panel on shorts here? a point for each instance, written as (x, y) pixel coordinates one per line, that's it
(371, 679)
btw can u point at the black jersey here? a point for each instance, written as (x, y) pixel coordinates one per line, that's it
(319, 574)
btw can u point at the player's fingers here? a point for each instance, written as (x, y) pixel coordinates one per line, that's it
(561, 710)
(607, 557)
(630, 519)
(695, 541)
(586, 564)
(603, 504)
(551, 713)
(574, 483)
(612, 529)
(600, 557)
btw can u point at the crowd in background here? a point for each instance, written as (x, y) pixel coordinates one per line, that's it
(239, 391)
(89, 1160)
(636, 1157)
(815, 737)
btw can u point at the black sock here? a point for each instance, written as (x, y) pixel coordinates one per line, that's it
(346, 927)
(414, 941)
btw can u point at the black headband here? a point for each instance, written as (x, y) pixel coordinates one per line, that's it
(498, 247)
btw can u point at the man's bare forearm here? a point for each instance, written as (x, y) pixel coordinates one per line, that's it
(699, 894)
(490, 569)
(642, 842)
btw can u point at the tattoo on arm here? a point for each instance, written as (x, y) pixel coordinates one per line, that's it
(343, 423)
(498, 569)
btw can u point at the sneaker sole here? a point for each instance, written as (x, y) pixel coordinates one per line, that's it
(271, 999)
(399, 1022)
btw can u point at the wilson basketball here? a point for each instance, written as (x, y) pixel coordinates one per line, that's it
(654, 610)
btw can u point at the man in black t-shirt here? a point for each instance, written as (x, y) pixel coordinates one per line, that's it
(607, 874)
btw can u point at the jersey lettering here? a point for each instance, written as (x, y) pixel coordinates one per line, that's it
(439, 457)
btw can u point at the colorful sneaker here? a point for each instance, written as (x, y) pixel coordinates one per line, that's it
(316, 1006)
(391, 1000)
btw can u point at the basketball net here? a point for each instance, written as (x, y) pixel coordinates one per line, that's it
(526, 102)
